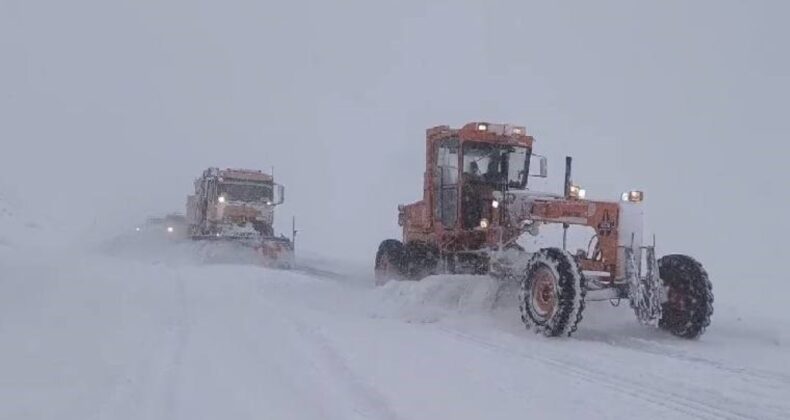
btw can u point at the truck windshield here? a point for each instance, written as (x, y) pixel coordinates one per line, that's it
(496, 164)
(246, 192)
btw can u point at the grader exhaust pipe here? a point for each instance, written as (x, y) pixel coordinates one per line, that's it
(565, 226)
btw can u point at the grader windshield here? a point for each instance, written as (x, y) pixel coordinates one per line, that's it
(501, 165)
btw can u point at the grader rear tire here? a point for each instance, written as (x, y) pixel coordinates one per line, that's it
(688, 305)
(552, 293)
(390, 261)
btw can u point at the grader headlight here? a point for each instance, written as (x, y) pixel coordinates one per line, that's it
(634, 196)
(577, 192)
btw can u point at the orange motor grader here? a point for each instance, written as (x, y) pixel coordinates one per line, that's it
(477, 204)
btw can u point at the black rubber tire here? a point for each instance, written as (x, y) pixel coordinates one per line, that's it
(688, 306)
(419, 260)
(569, 292)
(390, 261)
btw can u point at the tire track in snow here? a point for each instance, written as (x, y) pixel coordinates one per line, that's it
(371, 404)
(129, 393)
(180, 334)
(367, 401)
(651, 394)
(767, 378)
(147, 389)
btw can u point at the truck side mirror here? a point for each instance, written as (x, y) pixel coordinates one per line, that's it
(279, 195)
(543, 165)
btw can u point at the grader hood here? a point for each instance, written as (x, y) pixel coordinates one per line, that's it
(616, 225)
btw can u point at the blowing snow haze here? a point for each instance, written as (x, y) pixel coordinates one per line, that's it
(109, 110)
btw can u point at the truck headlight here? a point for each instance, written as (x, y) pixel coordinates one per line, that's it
(482, 127)
(577, 192)
(170, 229)
(634, 196)
(221, 199)
(484, 223)
(495, 204)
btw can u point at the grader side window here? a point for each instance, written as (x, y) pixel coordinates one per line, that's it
(447, 182)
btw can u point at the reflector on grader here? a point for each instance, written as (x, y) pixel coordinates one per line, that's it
(476, 205)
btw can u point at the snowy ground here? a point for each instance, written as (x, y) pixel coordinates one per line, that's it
(107, 333)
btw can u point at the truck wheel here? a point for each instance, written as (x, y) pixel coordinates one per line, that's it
(552, 293)
(688, 303)
(389, 261)
(419, 260)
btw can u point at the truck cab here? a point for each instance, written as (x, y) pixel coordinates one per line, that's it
(233, 202)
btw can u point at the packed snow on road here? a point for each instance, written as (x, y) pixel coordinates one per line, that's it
(131, 328)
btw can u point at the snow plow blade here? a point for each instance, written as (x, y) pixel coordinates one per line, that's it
(277, 252)
(273, 252)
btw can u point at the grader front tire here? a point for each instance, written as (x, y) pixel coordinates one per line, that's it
(552, 293)
(688, 305)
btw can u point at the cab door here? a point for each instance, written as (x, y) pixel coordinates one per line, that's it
(446, 183)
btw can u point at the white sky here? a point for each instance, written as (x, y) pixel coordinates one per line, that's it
(108, 110)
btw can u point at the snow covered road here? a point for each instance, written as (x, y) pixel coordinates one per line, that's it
(90, 336)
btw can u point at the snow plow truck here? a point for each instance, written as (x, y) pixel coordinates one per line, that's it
(237, 206)
(477, 204)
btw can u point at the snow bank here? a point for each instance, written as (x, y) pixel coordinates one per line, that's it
(9, 225)
(28, 234)
(17, 229)
(736, 331)
(157, 247)
(436, 297)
